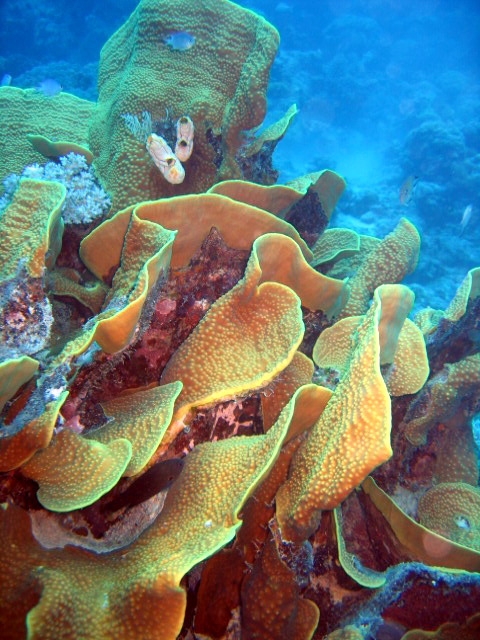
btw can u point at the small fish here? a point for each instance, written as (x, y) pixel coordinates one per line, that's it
(406, 190)
(49, 87)
(466, 216)
(158, 478)
(283, 6)
(6, 80)
(462, 522)
(179, 40)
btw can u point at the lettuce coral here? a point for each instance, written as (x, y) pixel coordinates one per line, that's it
(206, 429)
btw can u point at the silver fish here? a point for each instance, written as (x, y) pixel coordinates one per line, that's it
(406, 190)
(179, 40)
(466, 216)
(462, 522)
(49, 87)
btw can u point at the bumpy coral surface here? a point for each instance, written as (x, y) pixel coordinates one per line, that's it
(63, 117)
(217, 419)
(84, 201)
(220, 83)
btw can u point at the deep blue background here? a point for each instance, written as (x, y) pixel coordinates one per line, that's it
(384, 89)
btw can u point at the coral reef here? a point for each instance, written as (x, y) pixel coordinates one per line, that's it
(217, 419)
(139, 73)
(26, 111)
(77, 451)
(85, 201)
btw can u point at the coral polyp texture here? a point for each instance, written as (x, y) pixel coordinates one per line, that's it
(140, 73)
(216, 418)
(25, 113)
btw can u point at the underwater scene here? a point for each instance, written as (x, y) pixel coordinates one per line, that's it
(240, 320)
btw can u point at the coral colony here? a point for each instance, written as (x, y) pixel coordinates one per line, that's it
(217, 418)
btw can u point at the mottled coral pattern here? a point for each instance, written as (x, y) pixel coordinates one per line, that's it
(217, 419)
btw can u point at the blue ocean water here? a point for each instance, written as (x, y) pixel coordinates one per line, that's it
(385, 89)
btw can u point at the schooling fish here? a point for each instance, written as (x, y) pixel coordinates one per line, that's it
(159, 477)
(49, 87)
(179, 40)
(406, 190)
(466, 216)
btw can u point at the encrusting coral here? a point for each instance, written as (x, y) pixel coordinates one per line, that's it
(26, 111)
(138, 72)
(33, 220)
(453, 510)
(217, 419)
